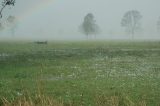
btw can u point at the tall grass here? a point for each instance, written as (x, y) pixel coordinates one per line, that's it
(43, 100)
(37, 100)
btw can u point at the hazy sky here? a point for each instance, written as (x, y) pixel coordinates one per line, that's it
(58, 19)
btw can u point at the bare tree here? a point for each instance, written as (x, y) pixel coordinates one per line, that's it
(12, 24)
(6, 3)
(89, 26)
(131, 21)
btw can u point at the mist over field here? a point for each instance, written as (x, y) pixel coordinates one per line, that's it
(79, 53)
(60, 19)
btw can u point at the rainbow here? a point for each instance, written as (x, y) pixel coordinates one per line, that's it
(40, 6)
(33, 10)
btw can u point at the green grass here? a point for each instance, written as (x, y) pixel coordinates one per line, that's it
(88, 73)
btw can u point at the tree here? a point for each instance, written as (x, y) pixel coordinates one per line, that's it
(12, 22)
(6, 3)
(89, 26)
(158, 25)
(131, 21)
(1, 27)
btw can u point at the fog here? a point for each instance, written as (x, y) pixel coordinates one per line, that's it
(60, 19)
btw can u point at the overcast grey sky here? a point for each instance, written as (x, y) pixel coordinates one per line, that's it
(58, 19)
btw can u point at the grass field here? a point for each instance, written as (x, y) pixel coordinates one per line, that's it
(86, 73)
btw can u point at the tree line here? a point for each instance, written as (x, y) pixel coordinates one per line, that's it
(131, 21)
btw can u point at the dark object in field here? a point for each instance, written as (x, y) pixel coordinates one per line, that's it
(41, 42)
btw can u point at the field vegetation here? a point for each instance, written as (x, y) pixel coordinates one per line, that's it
(86, 73)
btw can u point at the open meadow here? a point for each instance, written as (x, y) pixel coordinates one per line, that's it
(83, 73)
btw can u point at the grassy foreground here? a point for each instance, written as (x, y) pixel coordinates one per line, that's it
(97, 73)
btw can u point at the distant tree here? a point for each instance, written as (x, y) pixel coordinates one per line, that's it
(158, 25)
(1, 27)
(131, 21)
(89, 26)
(12, 24)
(6, 3)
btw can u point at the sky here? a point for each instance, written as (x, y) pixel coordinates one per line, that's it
(60, 19)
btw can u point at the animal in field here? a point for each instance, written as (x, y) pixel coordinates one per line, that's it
(41, 42)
